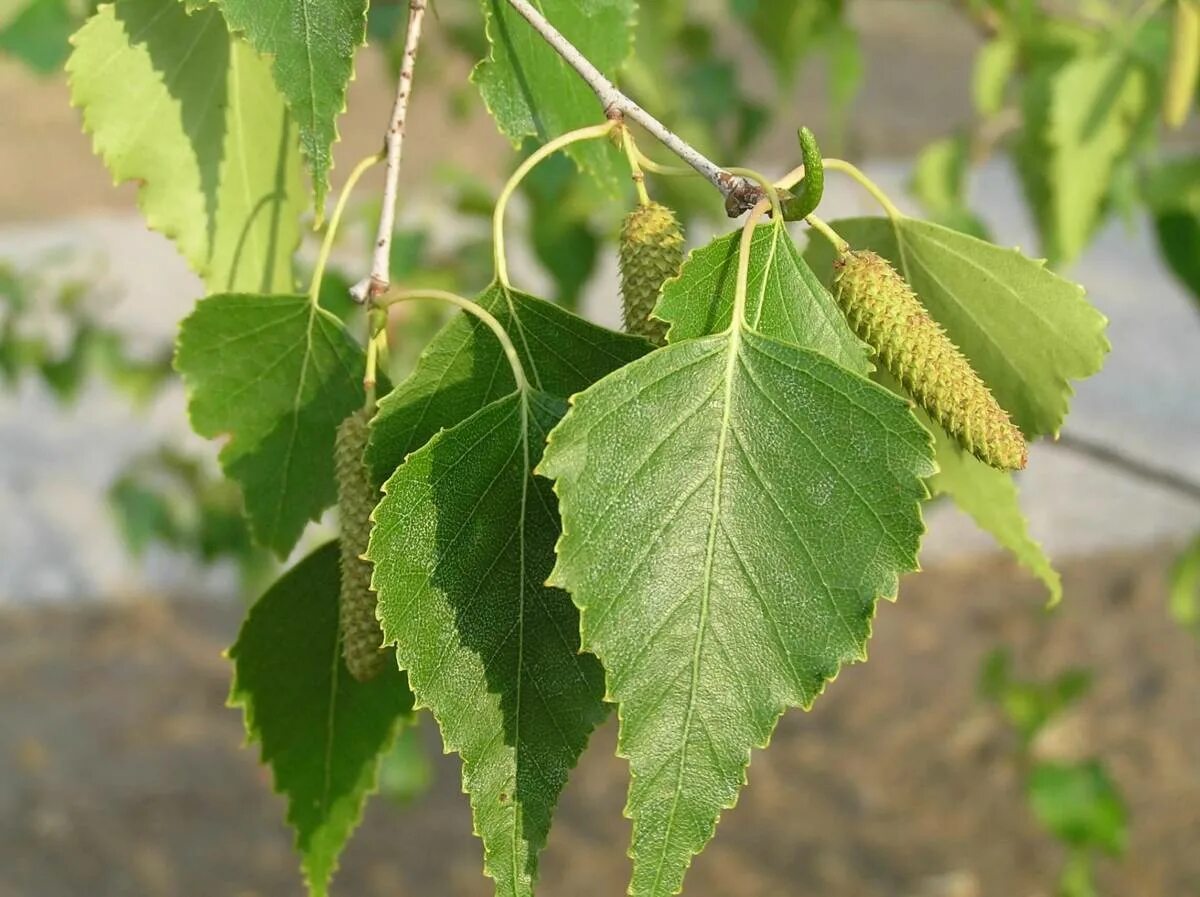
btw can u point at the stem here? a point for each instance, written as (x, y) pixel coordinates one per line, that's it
(589, 133)
(739, 194)
(673, 171)
(1135, 467)
(869, 185)
(314, 287)
(738, 317)
(369, 376)
(768, 188)
(380, 276)
(828, 233)
(394, 296)
(639, 179)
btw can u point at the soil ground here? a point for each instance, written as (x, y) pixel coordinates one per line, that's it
(122, 772)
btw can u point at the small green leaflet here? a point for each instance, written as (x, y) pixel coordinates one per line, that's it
(939, 182)
(1184, 588)
(531, 92)
(38, 34)
(785, 299)
(1081, 120)
(989, 496)
(463, 543)
(276, 374)
(1080, 805)
(173, 102)
(732, 509)
(322, 732)
(1027, 332)
(1172, 191)
(463, 368)
(311, 46)
(786, 30)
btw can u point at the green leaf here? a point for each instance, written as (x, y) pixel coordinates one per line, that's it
(1185, 588)
(732, 509)
(463, 368)
(531, 92)
(174, 103)
(1172, 191)
(1079, 804)
(994, 67)
(276, 374)
(786, 30)
(1026, 331)
(785, 299)
(322, 732)
(463, 543)
(939, 182)
(1080, 120)
(989, 496)
(311, 46)
(38, 35)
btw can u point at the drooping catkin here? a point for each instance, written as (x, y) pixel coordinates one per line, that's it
(886, 313)
(357, 496)
(651, 253)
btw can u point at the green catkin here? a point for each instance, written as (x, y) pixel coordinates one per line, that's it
(651, 253)
(357, 496)
(886, 313)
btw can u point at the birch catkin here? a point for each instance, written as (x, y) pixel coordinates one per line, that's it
(357, 496)
(651, 253)
(886, 313)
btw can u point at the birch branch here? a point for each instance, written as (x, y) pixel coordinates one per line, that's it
(378, 281)
(740, 194)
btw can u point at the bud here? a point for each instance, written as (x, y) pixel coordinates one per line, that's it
(651, 253)
(886, 313)
(357, 497)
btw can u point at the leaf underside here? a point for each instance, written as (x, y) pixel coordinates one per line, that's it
(175, 103)
(276, 374)
(322, 732)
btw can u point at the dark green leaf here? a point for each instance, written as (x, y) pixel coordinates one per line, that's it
(276, 375)
(1079, 804)
(322, 732)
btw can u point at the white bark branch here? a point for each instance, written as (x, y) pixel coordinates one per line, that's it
(740, 194)
(377, 283)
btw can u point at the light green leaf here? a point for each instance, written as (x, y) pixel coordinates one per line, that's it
(989, 496)
(994, 67)
(322, 732)
(1027, 332)
(463, 368)
(786, 30)
(1185, 588)
(1080, 805)
(463, 543)
(276, 375)
(732, 509)
(785, 299)
(1081, 120)
(531, 92)
(191, 114)
(311, 46)
(939, 182)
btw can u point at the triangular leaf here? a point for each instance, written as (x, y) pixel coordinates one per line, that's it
(732, 509)
(276, 374)
(1027, 332)
(463, 368)
(173, 102)
(311, 47)
(322, 732)
(1081, 119)
(785, 299)
(532, 92)
(463, 543)
(989, 496)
